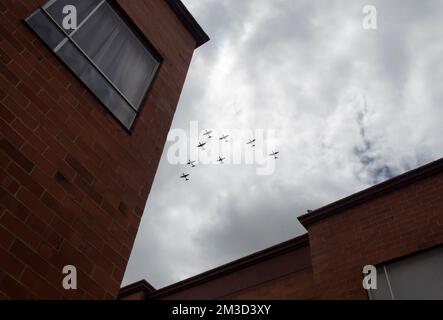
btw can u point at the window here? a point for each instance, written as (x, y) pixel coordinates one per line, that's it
(416, 277)
(105, 52)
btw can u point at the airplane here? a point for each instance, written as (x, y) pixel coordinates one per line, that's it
(208, 133)
(251, 142)
(274, 154)
(201, 145)
(220, 159)
(191, 163)
(223, 137)
(185, 176)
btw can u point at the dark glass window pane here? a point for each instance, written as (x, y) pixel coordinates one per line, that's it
(84, 7)
(415, 277)
(382, 292)
(109, 58)
(119, 54)
(418, 277)
(97, 84)
(45, 28)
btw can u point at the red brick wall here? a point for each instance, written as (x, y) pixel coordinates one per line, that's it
(297, 286)
(73, 182)
(135, 296)
(388, 227)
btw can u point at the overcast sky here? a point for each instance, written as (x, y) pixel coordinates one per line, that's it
(346, 107)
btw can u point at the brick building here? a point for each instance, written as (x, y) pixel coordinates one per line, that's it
(396, 226)
(85, 109)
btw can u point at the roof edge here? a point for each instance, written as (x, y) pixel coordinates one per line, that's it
(189, 22)
(244, 262)
(370, 193)
(138, 286)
